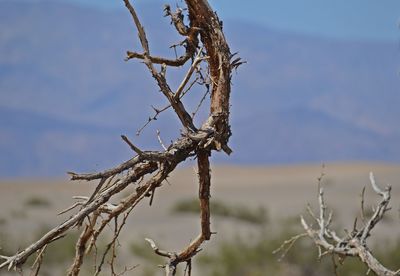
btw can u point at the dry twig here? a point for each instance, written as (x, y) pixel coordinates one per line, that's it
(354, 244)
(96, 211)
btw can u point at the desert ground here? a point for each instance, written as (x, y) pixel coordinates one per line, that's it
(284, 192)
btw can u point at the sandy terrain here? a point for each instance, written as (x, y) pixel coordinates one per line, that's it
(283, 190)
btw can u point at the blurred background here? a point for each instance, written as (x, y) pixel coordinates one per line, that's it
(321, 85)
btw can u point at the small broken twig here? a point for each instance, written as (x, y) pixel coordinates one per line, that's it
(132, 146)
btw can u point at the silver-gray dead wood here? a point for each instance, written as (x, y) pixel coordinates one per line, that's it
(354, 244)
(211, 66)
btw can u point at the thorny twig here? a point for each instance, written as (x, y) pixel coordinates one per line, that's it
(183, 89)
(38, 262)
(354, 244)
(96, 211)
(287, 245)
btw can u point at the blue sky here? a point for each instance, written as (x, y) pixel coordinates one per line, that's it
(344, 19)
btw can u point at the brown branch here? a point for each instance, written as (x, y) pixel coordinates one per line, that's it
(133, 199)
(203, 165)
(191, 42)
(142, 34)
(159, 111)
(132, 146)
(107, 173)
(200, 103)
(177, 19)
(188, 268)
(158, 251)
(160, 60)
(111, 245)
(20, 258)
(211, 34)
(80, 250)
(179, 152)
(176, 104)
(214, 134)
(38, 262)
(98, 188)
(189, 74)
(204, 195)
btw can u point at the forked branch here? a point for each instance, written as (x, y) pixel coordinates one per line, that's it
(354, 244)
(204, 44)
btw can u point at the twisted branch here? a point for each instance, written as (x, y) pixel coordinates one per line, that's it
(97, 211)
(354, 244)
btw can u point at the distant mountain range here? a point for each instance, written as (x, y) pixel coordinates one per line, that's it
(66, 94)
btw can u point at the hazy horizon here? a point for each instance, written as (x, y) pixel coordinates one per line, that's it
(66, 95)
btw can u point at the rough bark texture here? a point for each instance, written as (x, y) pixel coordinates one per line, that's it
(202, 16)
(211, 66)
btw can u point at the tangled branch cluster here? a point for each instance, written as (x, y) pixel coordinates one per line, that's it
(204, 42)
(354, 243)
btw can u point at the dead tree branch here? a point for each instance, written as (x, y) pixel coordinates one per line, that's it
(205, 44)
(354, 244)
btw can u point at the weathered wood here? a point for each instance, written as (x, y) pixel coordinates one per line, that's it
(96, 211)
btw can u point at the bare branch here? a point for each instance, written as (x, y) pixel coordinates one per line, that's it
(287, 245)
(204, 195)
(157, 250)
(362, 205)
(38, 262)
(160, 140)
(354, 244)
(96, 211)
(381, 208)
(132, 146)
(107, 173)
(159, 60)
(159, 111)
(194, 65)
(177, 20)
(200, 103)
(20, 258)
(191, 42)
(176, 104)
(80, 249)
